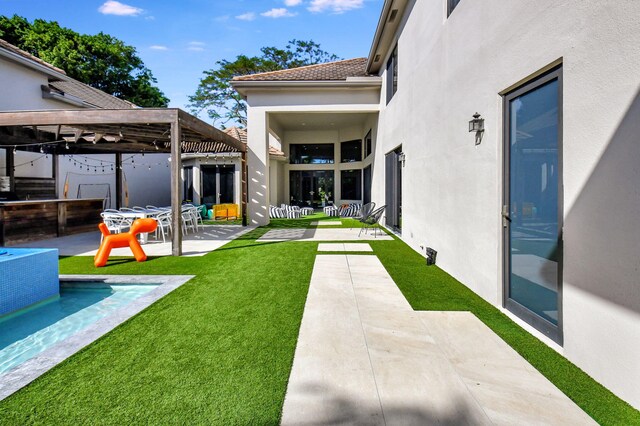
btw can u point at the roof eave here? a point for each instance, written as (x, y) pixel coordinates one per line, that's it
(353, 82)
(31, 64)
(373, 67)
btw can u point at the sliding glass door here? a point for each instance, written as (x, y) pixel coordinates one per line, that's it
(532, 211)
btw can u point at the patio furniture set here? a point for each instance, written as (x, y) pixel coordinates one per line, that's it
(118, 221)
(289, 212)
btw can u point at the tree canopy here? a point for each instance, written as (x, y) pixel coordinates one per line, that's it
(100, 60)
(223, 104)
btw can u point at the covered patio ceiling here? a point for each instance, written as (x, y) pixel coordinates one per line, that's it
(118, 131)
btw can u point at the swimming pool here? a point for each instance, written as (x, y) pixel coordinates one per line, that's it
(27, 333)
(35, 339)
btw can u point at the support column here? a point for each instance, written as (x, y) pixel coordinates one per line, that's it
(258, 166)
(176, 187)
(118, 181)
(244, 186)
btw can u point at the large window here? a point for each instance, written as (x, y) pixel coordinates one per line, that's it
(351, 184)
(451, 4)
(311, 154)
(367, 145)
(351, 151)
(392, 74)
(313, 188)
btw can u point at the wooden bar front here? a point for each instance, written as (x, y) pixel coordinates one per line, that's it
(22, 221)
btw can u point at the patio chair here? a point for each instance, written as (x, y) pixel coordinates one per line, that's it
(365, 211)
(372, 220)
(291, 212)
(115, 222)
(164, 225)
(276, 212)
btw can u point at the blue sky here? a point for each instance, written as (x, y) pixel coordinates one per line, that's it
(178, 40)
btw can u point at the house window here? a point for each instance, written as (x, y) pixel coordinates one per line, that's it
(311, 154)
(351, 151)
(351, 184)
(392, 74)
(187, 190)
(451, 4)
(367, 145)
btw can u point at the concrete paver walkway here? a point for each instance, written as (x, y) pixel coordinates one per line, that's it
(322, 234)
(364, 356)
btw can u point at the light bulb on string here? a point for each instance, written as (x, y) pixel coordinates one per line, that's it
(41, 150)
(66, 145)
(14, 149)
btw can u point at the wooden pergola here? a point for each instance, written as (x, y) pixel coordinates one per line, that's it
(118, 131)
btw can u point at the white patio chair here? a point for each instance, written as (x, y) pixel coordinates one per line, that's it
(163, 219)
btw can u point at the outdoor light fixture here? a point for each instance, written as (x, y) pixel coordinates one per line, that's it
(477, 125)
(401, 158)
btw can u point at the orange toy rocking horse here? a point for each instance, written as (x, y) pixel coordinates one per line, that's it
(126, 239)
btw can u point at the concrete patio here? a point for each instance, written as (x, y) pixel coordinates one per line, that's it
(324, 234)
(364, 356)
(207, 239)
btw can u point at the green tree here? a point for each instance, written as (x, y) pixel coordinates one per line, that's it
(100, 60)
(223, 104)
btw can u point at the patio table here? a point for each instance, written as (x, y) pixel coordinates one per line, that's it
(141, 214)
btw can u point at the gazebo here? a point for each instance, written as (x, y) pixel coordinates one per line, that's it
(118, 131)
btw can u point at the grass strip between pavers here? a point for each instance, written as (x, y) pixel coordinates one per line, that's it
(219, 349)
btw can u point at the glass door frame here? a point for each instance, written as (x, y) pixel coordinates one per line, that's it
(554, 332)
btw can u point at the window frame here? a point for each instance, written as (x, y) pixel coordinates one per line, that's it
(353, 142)
(392, 74)
(451, 5)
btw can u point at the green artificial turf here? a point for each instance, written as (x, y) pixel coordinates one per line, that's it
(219, 349)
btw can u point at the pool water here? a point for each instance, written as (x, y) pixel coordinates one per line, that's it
(27, 333)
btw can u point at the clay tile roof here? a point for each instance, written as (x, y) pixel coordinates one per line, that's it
(206, 146)
(238, 133)
(329, 71)
(10, 47)
(275, 151)
(90, 95)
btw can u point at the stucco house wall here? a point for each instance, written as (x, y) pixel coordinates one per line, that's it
(450, 68)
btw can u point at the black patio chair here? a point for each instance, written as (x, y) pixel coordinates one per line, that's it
(365, 211)
(372, 220)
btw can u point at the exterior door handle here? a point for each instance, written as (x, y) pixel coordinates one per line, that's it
(505, 216)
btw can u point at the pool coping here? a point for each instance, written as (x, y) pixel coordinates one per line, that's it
(23, 374)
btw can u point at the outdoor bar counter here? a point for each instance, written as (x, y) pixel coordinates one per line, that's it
(22, 221)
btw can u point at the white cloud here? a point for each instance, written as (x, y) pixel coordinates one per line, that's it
(280, 12)
(249, 16)
(196, 48)
(158, 47)
(112, 7)
(291, 3)
(335, 6)
(197, 43)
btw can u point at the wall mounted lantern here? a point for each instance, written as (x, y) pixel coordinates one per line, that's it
(401, 158)
(477, 125)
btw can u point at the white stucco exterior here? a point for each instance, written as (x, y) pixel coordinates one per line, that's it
(451, 67)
